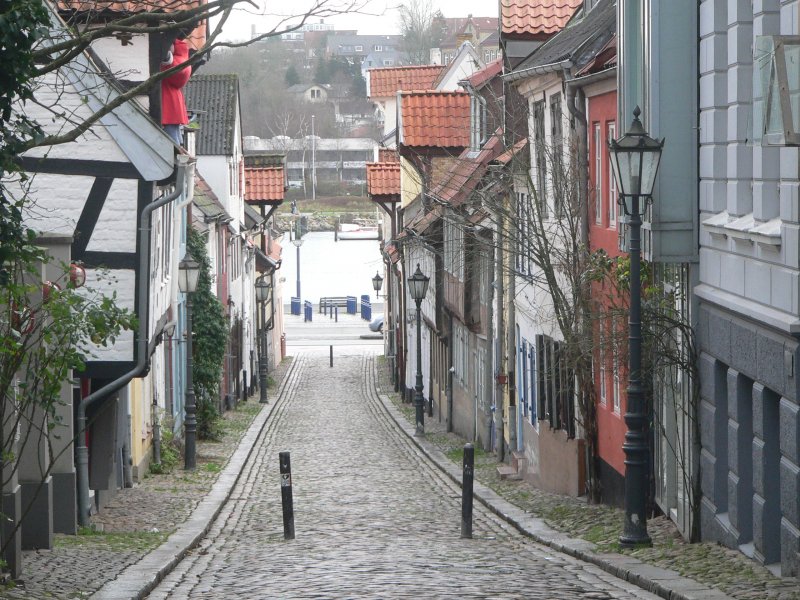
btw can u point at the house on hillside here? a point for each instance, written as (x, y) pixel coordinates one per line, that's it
(543, 410)
(214, 99)
(102, 216)
(433, 128)
(313, 93)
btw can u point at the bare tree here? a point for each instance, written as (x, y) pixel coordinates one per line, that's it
(421, 27)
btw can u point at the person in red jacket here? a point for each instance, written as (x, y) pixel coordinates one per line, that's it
(173, 105)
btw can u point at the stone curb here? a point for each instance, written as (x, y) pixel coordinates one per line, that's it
(662, 582)
(139, 579)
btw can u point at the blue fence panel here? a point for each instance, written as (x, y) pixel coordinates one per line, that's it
(366, 308)
(309, 311)
(295, 306)
(352, 307)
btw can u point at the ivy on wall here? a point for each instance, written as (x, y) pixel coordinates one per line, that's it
(209, 328)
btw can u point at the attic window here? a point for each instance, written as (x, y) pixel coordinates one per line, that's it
(776, 93)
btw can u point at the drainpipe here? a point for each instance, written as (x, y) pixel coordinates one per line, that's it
(104, 393)
(487, 364)
(499, 397)
(511, 345)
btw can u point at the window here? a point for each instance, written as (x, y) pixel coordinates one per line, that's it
(598, 175)
(558, 166)
(359, 48)
(555, 385)
(388, 63)
(460, 353)
(378, 48)
(454, 249)
(315, 93)
(776, 93)
(602, 362)
(541, 156)
(483, 275)
(523, 370)
(612, 183)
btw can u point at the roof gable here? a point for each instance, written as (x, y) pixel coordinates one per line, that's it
(215, 100)
(434, 119)
(386, 82)
(383, 179)
(532, 19)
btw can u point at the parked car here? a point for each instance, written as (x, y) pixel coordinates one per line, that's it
(377, 324)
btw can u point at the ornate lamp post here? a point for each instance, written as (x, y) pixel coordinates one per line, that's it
(188, 276)
(377, 283)
(298, 241)
(634, 160)
(418, 287)
(264, 296)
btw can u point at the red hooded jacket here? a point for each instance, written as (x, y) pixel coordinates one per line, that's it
(173, 106)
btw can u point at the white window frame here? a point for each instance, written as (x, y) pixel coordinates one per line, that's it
(359, 48)
(612, 183)
(773, 73)
(598, 175)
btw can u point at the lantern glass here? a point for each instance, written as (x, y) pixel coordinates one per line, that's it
(263, 289)
(634, 160)
(418, 284)
(188, 274)
(377, 282)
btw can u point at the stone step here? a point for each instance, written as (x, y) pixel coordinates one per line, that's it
(508, 472)
(518, 461)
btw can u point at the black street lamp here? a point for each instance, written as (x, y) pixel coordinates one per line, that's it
(634, 160)
(377, 283)
(188, 276)
(298, 241)
(263, 296)
(418, 287)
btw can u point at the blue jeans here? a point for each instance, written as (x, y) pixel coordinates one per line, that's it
(175, 132)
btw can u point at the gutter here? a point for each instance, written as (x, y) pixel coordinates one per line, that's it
(562, 65)
(104, 393)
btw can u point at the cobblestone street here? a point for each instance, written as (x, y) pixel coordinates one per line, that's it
(373, 517)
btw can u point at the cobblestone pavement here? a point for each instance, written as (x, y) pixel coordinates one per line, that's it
(373, 517)
(136, 520)
(708, 563)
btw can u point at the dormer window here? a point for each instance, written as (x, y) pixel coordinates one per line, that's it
(776, 90)
(477, 129)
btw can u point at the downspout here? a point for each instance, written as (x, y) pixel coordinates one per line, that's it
(499, 398)
(101, 395)
(487, 366)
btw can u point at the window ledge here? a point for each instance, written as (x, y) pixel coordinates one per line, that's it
(716, 225)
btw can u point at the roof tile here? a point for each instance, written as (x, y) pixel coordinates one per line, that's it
(383, 179)
(435, 119)
(264, 184)
(214, 99)
(388, 81)
(536, 17)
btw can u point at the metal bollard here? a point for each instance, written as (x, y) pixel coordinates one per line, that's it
(466, 491)
(337, 314)
(286, 496)
(331, 356)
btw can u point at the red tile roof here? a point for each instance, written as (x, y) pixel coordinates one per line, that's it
(434, 119)
(460, 181)
(531, 18)
(486, 74)
(100, 8)
(388, 81)
(264, 184)
(383, 179)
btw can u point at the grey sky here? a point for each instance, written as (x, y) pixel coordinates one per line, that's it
(379, 17)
